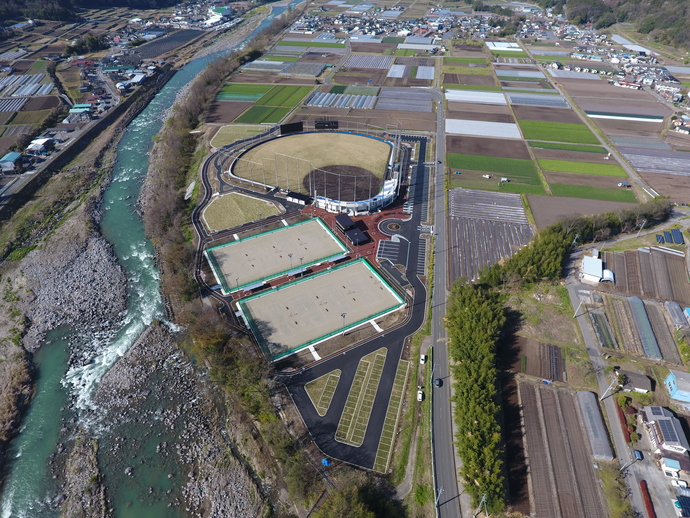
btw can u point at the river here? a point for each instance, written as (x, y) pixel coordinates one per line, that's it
(29, 488)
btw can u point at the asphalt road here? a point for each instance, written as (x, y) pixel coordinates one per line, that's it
(322, 429)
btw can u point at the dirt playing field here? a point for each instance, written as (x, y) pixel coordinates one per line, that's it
(541, 113)
(676, 187)
(289, 161)
(345, 183)
(591, 180)
(549, 209)
(487, 146)
(311, 309)
(574, 156)
(242, 263)
(225, 112)
(640, 129)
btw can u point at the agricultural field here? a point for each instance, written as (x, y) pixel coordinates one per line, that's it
(284, 96)
(30, 117)
(238, 92)
(568, 147)
(549, 209)
(263, 115)
(493, 164)
(582, 168)
(595, 193)
(557, 132)
(538, 359)
(522, 174)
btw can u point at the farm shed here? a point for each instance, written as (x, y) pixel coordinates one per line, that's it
(592, 269)
(634, 381)
(678, 385)
(665, 431)
(8, 163)
(594, 425)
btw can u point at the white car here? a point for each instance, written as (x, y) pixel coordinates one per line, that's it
(420, 395)
(679, 483)
(422, 359)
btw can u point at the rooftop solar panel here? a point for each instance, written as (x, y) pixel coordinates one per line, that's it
(668, 431)
(656, 410)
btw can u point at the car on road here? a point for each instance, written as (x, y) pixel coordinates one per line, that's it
(422, 359)
(420, 395)
(679, 483)
(637, 454)
(438, 382)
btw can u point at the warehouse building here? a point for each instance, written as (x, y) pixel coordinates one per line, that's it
(678, 385)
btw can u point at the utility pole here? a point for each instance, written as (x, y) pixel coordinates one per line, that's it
(438, 496)
(613, 384)
(343, 315)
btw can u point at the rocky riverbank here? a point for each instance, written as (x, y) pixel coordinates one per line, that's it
(154, 390)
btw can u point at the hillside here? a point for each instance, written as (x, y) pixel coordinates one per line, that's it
(67, 10)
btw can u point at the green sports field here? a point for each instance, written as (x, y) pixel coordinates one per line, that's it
(263, 114)
(594, 193)
(557, 132)
(566, 166)
(287, 96)
(567, 147)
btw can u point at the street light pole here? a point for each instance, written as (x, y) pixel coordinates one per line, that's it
(290, 256)
(343, 315)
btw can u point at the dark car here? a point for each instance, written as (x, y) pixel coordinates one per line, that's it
(438, 382)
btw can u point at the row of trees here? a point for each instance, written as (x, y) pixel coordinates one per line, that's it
(88, 43)
(475, 319)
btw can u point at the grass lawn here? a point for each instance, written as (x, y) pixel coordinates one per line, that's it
(473, 87)
(567, 147)
(229, 134)
(476, 61)
(557, 132)
(467, 71)
(33, 117)
(261, 114)
(594, 193)
(566, 166)
(321, 390)
(320, 44)
(284, 95)
(234, 209)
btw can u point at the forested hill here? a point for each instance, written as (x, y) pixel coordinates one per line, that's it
(666, 21)
(68, 10)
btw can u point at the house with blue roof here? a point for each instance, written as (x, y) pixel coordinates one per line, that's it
(678, 385)
(9, 163)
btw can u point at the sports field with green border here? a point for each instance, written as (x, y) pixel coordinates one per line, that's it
(383, 453)
(594, 193)
(557, 132)
(263, 114)
(567, 166)
(286, 96)
(567, 147)
(354, 420)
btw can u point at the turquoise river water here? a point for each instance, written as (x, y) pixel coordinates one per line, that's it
(29, 488)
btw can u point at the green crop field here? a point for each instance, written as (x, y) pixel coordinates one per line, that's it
(509, 53)
(393, 39)
(490, 163)
(557, 132)
(263, 114)
(472, 87)
(237, 92)
(594, 193)
(280, 58)
(390, 424)
(360, 401)
(476, 61)
(287, 96)
(566, 166)
(567, 147)
(337, 89)
(404, 52)
(320, 44)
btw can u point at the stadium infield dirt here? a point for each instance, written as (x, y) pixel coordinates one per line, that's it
(487, 146)
(542, 113)
(676, 187)
(609, 182)
(225, 112)
(573, 156)
(549, 209)
(311, 309)
(267, 255)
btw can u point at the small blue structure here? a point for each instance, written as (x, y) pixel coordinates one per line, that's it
(326, 462)
(678, 385)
